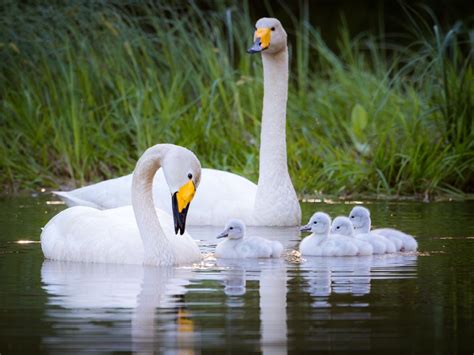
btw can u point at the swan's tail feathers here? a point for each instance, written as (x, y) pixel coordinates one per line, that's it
(277, 249)
(71, 200)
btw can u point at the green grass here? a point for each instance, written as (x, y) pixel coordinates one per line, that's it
(84, 91)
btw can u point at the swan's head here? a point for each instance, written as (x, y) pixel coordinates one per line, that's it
(234, 229)
(342, 225)
(270, 36)
(360, 218)
(182, 171)
(319, 223)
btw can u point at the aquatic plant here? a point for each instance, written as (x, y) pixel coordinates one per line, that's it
(86, 89)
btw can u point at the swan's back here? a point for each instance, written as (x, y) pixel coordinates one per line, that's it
(334, 245)
(249, 247)
(408, 243)
(86, 234)
(377, 244)
(221, 194)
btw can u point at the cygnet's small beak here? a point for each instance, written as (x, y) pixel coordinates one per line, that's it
(261, 40)
(180, 202)
(306, 228)
(224, 234)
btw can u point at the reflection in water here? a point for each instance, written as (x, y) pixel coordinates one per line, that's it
(102, 297)
(271, 275)
(331, 279)
(352, 275)
(143, 309)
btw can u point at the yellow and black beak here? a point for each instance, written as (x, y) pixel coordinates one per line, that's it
(261, 40)
(180, 202)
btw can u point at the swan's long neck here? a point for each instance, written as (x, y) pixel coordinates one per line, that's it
(273, 174)
(157, 248)
(273, 133)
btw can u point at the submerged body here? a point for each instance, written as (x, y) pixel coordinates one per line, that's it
(238, 246)
(137, 234)
(360, 218)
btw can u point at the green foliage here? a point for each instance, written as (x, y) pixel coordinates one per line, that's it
(85, 89)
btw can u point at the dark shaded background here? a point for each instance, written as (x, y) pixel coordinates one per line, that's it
(375, 16)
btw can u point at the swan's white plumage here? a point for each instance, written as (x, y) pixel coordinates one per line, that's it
(217, 188)
(249, 247)
(238, 246)
(137, 234)
(222, 195)
(320, 243)
(378, 245)
(343, 226)
(408, 243)
(110, 236)
(395, 240)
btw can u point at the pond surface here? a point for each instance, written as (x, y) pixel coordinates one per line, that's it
(416, 303)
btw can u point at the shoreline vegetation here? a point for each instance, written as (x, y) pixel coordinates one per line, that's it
(85, 89)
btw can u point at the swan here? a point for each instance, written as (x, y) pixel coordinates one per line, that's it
(360, 217)
(238, 246)
(320, 243)
(223, 195)
(343, 226)
(120, 302)
(137, 234)
(347, 229)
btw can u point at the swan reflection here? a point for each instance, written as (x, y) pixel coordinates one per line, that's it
(104, 297)
(271, 275)
(352, 275)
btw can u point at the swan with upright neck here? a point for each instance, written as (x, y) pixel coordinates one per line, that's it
(223, 195)
(137, 234)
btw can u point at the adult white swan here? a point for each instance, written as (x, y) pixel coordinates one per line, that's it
(222, 195)
(137, 234)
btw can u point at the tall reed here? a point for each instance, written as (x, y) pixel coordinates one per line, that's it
(85, 89)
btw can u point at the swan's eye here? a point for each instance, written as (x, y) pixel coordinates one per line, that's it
(338, 227)
(352, 216)
(190, 176)
(231, 228)
(273, 28)
(315, 222)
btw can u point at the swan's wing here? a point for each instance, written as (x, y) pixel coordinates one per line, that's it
(255, 247)
(90, 235)
(220, 196)
(106, 194)
(409, 243)
(107, 236)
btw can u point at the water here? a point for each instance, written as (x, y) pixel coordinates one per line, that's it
(420, 303)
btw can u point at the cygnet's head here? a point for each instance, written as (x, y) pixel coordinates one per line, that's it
(234, 229)
(319, 223)
(342, 225)
(360, 218)
(269, 36)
